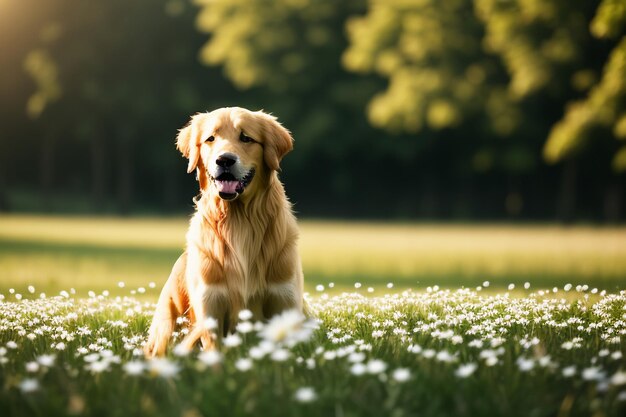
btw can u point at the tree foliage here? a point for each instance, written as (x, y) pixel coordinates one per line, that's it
(538, 41)
(604, 107)
(431, 52)
(289, 51)
(400, 107)
(286, 54)
(103, 73)
(272, 43)
(480, 69)
(447, 62)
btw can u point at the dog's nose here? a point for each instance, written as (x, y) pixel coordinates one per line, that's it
(226, 160)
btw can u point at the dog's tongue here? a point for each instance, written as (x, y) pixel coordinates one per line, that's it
(229, 187)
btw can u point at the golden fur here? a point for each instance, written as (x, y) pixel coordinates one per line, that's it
(240, 254)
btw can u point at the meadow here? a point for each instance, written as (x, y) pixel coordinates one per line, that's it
(87, 253)
(433, 353)
(429, 320)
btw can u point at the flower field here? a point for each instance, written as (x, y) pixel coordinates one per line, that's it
(411, 319)
(531, 352)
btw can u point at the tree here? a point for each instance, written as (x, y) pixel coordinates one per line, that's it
(286, 55)
(605, 104)
(511, 64)
(120, 78)
(550, 57)
(400, 107)
(431, 53)
(601, 114)
(21, 29)
(442, 83)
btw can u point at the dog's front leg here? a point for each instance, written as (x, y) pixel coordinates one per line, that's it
(209, 300)
(285, 284)
(172, 303)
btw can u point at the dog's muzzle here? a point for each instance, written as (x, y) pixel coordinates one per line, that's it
(229, 180)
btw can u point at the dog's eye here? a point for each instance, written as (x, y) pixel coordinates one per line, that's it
(244, 138)
(210, 139)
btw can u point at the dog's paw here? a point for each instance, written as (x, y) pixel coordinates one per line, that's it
(155, 345)
(148, 350)
(199, 334)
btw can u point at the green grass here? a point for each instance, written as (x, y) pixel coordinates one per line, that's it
(395, 355)
(396, 352)
(57, 253)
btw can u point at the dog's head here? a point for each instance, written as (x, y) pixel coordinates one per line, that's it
(233, 149)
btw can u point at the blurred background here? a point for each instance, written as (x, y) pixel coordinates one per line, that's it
(427, 110)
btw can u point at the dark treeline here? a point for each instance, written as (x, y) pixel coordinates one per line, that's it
(468, 109)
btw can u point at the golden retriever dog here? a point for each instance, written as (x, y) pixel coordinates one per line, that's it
(241, 250)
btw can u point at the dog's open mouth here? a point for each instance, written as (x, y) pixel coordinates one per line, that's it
(229, 187)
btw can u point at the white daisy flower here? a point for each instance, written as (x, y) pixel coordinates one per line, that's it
(245, 315)
(358, 369)
(376, 366)
(243, 364)
(32, 366)
(429, 353)
(210, 357)
(401, 375)
(46, 360)
(99, 366)
(181, 350)
(466, 370)
(232, 340)
(330, 355)
(619, 378)
(568, 371)
(593, 373)
(524, 364)
(356, 357)
(290, 327)
(445, 356)
(245, 327)
(305, 395)
(210, 323)
(92, 357)
(280, 355)
(29, 385)
(134, 368)
(163, 367)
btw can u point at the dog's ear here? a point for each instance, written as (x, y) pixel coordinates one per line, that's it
(201, 175)
(187, 143)
(277, 141)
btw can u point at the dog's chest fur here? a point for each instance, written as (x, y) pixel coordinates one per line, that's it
(239, 249)
(245, 259)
